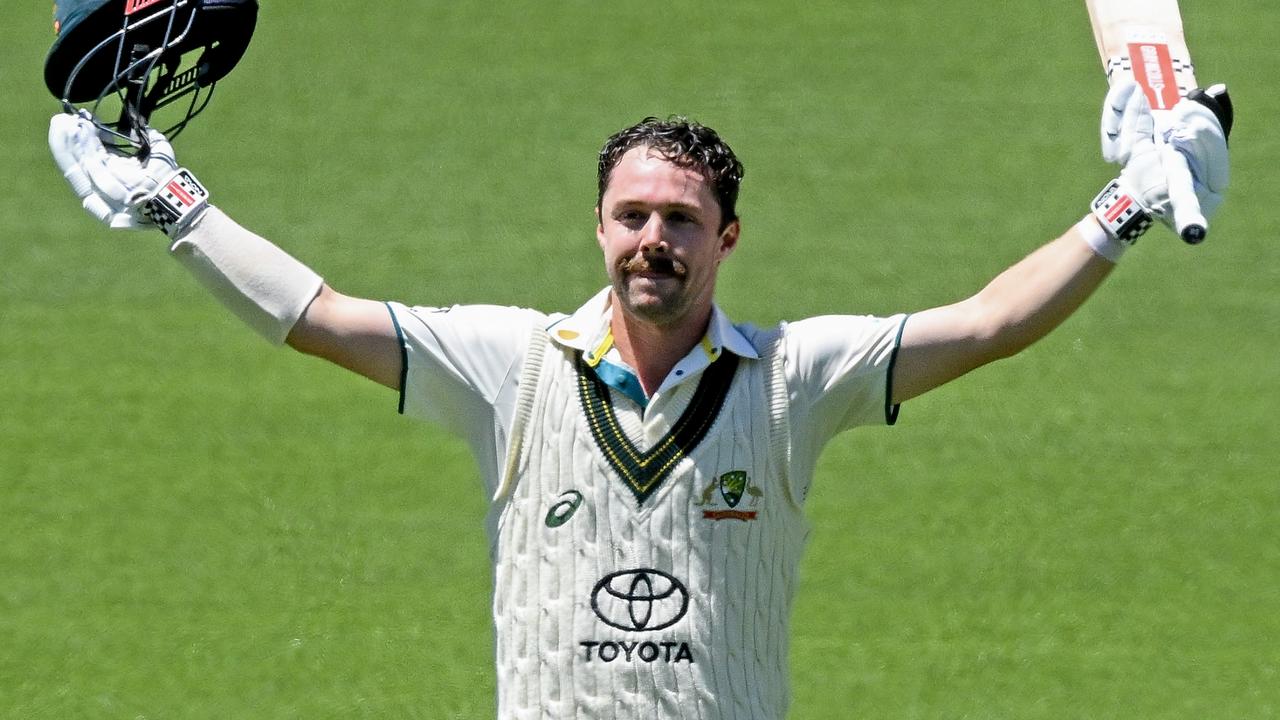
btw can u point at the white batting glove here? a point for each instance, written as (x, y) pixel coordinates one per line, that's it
(1126, 122)
(1127, 205)
(1196, 132)
(1174, 175)
(120, 190)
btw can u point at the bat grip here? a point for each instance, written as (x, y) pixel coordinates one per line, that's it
(1188, 220)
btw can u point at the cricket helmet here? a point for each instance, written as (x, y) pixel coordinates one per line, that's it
(144, 55)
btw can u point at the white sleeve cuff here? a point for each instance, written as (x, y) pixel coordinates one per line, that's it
(263, 285)
(1102, 242)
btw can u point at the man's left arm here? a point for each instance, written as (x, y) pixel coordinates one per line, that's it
(1018, 307)
(1031, 298)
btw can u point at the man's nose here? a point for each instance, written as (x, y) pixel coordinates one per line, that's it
(653, 235)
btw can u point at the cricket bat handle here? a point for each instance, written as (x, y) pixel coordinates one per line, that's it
(1194, 233)
(1192, 226)
(1188, 220)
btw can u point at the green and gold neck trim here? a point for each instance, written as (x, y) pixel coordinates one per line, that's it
(644, 472)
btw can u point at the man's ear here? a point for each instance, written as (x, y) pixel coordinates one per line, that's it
(729, 238)
(599, 228)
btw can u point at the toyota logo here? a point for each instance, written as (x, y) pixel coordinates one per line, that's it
(640, 600)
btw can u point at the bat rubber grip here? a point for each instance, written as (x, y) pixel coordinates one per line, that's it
(1190, 223)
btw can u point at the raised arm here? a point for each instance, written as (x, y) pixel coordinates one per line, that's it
(286, 302)
(1017, 308)
(1027, 301)
(354, 333)
(275, 294)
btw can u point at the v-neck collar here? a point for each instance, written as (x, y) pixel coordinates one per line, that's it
(644, 471)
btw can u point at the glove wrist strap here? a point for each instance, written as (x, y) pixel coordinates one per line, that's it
(179, 202)
(1121, 215)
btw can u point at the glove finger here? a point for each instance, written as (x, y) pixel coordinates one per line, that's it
(157, 169)
(98, 208)
(160, 148)
(62, 144)
(120, 177)
(1113, 110)
(1209, 165)
(133, 176)
(113, 172)
(92, 157)
(1197, 133)
(1137, 124)
(70, 137)
(105, 180)
(1185, 206)
(80, 183)
(1188, 110)
(161, 162)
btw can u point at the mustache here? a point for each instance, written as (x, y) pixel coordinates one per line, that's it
(659, 265)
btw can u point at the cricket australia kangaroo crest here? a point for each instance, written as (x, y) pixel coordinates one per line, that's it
(732, 486)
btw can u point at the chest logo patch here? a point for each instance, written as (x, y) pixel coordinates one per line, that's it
(643, 600)
(564, 508)
(640, 600)
(733, 486)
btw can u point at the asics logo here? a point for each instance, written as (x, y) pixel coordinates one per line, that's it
(560, 512)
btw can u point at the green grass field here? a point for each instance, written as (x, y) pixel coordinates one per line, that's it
(195, 526)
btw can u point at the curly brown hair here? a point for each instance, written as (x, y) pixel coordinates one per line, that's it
(684, 143)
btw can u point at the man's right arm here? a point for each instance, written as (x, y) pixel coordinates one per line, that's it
(275, 294)
(354, 333)
(286, 302)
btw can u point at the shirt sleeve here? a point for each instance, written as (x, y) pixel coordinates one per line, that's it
(840, 370)
(458, 361)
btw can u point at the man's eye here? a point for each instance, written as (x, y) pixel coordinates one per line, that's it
(680, 217)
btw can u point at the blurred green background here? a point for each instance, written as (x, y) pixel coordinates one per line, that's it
(194, 525)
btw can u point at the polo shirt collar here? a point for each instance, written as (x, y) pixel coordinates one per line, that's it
(587, 329)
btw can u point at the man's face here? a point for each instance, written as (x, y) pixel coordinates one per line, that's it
(659, 227)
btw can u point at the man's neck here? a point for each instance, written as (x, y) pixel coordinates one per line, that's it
(653, 350)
